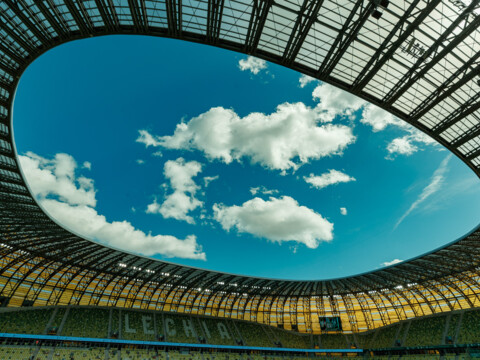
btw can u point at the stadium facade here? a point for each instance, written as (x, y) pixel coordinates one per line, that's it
(417, 59)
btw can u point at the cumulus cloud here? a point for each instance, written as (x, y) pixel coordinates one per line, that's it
(402, 145)
(182, 200)
(335, 101)
(252, 64)
(436, 182)
(284, 140)
(262, 190)
(329, 178)
(305, 80)
(277, 219)
(71, 201)
(408, 144)
(56, 178)
(343, 211)
(140, 161)
(379, 119)
(87, 165)
(393, 262)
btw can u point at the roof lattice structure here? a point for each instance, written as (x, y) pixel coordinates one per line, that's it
(418, 59)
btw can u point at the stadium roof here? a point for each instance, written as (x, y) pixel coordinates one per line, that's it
(419, 60)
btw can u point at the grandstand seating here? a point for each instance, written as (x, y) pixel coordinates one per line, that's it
(56, 322)
(216, 331)
(291, 339)
(363, 340)
(86, 323)
(15, 352)
(385, 337)
(426, 331)
(254, 335)
(452, 327)
(470, 329)
(138, 326)
(333, 341)
(115, 324)
(31, 321)
(457, 327)
(179, 328)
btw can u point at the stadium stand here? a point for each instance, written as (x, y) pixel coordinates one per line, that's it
(455, 328)
(32, 321)
(384, 337)
(86, 323)
(16, 352)
(179, 328)
(451, 334)
(217, 331)
(253, 335)
(470, 328)
(56, 321)
(426, 331)
(291, 339)
(114, 327)
(138, 326)
(363, 340)
(333, 341)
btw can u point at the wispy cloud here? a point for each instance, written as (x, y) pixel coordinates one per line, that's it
(393, 262)
(435, 184)
(262, 190)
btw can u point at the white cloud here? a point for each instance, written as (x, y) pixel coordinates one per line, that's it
(262, 190)
(329, 178)
(379, 119)
(403, 146)
(393, 262)
(435, 184)
(408, 144)
(87, 165)
(140, 161)
(71, 201)
(208, 179)
(343, 211)
(336, 101)
(253, 64)
(157, 154)
(283, 140)
(305, 79)
(277, 220)
(178, 204)
(146, 138)
(56, 178)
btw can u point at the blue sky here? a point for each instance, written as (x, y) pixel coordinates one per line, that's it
(205, 157)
